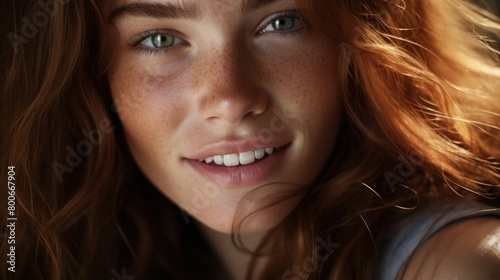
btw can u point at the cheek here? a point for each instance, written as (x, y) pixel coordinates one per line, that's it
(310, 93)
(308, 86)
(150, 105)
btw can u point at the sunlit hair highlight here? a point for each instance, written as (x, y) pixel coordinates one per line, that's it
(418, 78)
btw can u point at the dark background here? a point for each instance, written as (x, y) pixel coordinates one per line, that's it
(493, 5)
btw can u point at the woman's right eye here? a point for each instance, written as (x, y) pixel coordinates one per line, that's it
(160, 41)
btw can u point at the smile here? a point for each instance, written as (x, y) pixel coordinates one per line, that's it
(242, 168)
(244, 158)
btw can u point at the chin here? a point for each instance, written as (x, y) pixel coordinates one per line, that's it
(248, 218)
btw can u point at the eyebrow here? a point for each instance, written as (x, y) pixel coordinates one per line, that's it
(249, 5)
(186, 10)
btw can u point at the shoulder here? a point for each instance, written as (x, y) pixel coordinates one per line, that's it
(468, 249)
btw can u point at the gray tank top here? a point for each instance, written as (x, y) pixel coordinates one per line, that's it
(401, 245)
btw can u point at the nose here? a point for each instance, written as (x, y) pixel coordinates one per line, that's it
(229, 86)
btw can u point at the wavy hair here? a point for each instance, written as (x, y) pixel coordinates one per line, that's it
(420, 84)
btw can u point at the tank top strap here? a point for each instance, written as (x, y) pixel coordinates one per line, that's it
(420, 227)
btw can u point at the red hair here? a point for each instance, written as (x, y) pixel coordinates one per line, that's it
(420, 92)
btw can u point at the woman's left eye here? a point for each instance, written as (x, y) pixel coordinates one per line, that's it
(284, 23)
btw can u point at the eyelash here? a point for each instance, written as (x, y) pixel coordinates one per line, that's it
(152, 51)
(290, 13)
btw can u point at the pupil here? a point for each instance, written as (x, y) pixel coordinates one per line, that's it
(162, 41)
(285, 23)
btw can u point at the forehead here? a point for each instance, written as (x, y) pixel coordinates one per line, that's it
(184, 9)
(243, 5)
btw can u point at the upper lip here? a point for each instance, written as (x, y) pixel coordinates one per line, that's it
(227, 147)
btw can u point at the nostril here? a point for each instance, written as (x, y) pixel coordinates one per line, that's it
(232, 106)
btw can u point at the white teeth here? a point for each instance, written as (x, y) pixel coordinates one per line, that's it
(244, 158)
(218, 160)
(247, 157)
(231, 160)
(209, 159)
(259, 153)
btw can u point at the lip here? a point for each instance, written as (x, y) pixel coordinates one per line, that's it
(242, 175)
(234, 147)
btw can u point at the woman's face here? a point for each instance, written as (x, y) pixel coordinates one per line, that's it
(220, 97)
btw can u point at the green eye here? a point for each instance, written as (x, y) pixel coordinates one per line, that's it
(162, 40)
(283, 23)
(157, 40)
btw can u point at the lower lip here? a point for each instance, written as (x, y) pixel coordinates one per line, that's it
(243, 175)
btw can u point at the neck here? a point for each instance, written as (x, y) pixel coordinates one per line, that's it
(235, 260)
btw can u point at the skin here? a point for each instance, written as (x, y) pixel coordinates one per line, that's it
(224, 81)
(466, 250)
